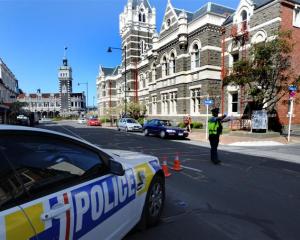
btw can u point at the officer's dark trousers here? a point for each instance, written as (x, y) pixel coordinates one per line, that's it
(214, 142)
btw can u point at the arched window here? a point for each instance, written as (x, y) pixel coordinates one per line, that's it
(153, 72)
(144, 18)
(165, 69)
(259, 37)
(142, 46)
(195, 56)
(244, 15)
(141, 80)
(140, 17)
(172, 63)
(169, 22)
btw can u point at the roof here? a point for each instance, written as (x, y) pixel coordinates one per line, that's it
(107, 71)
(228, 20)
(110, 71)
(207, 8)
(136, 3)
(76, 94)
(5, 127)
(22, 95)
(46, 95)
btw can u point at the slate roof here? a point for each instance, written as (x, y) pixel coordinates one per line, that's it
(136, 3)
(207, 8)
(110, 71)
(116, 70)
(107, 71)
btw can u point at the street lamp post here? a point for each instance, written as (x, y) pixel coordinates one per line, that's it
(87, 95)
(125, 65)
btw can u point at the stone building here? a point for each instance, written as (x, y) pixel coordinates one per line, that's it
(8, 90)
(65, 103)
(171, 72)
(254, 22)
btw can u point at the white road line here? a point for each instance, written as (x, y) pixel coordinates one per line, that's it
(76, 135)
(193, 169)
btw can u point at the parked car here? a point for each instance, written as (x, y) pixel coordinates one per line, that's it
(93, 122)
(23, 120)
(45, 120)
(163, 128)
(67, 188)
(81, 120)
(129, 124)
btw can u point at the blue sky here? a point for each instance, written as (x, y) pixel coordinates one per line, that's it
(33, 34)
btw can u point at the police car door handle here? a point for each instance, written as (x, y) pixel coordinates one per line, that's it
(53, 213)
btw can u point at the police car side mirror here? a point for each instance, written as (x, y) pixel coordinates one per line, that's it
(116, 168)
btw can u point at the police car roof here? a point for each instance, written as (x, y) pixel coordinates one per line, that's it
(5, 127)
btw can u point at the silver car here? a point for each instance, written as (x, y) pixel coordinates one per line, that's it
(129, 124)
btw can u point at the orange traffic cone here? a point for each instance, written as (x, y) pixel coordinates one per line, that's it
(177, 166)
(165, 167)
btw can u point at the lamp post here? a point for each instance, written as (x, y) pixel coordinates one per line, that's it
(125, 65)
(87, 95)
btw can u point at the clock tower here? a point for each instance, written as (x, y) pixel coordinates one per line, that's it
(65, 86)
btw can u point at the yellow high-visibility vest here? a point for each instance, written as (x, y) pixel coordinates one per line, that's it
(213, 127)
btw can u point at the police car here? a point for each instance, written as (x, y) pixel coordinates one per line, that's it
(54, 186)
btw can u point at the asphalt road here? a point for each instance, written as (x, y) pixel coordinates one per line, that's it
(247, 197)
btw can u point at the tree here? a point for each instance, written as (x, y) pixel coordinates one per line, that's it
(267, 73)
(136, 110)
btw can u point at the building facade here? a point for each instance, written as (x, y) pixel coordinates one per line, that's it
(172, 72)
(255, 22)
(65, 103)
(8, 90)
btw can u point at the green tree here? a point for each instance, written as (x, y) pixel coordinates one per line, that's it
(136, 110)
(267, 73)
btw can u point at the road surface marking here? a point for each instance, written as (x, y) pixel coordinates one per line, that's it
(192, 169)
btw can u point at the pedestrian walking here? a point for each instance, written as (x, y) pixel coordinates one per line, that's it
(188, 121)
(215, 129)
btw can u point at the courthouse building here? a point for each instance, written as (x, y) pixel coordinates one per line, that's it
(174, 70)
(64, 103)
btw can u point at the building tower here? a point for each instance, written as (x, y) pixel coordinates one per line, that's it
(65, 86)
(137, 26)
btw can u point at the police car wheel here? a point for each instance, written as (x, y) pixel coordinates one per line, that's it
(154, 201)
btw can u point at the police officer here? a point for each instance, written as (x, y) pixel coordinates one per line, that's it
(215, 129)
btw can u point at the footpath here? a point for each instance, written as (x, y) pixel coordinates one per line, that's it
(240, 138)
(269, 145)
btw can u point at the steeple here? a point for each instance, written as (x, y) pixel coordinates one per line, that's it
(65, 60)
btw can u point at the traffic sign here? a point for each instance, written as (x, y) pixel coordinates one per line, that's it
(292, 94)
(208, 101)
(292, 88)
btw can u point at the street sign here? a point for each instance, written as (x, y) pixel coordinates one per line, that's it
(292, 94)
(208, 101)
(292, 88)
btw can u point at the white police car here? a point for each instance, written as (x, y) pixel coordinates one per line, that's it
(54, 186)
